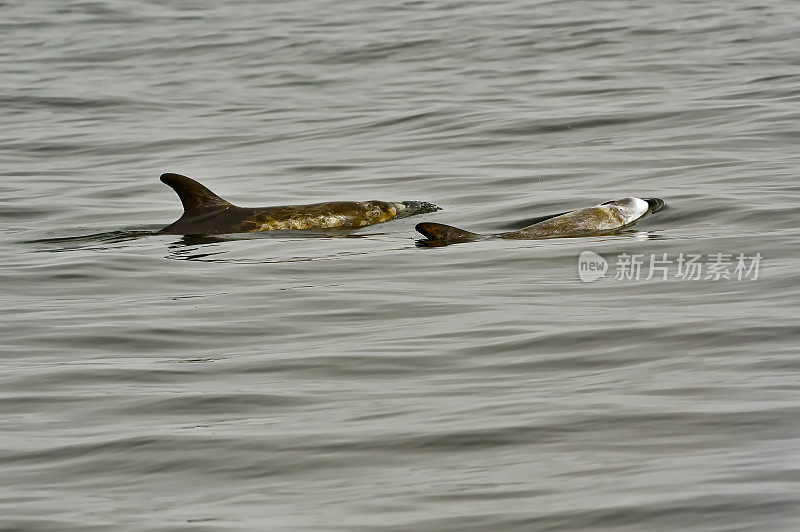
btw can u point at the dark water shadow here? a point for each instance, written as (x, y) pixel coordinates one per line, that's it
(90, 241)
(223, 256)
(212, 248)
(206, 248)
(199, 240)
(101, 240)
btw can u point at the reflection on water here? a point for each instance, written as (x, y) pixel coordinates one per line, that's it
(201, 253)
(67, 243)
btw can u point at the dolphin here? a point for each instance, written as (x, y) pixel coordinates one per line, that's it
(603, 219)
(205, 213)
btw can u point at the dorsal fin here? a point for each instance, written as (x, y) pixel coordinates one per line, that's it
(442, 232)
(196, 198)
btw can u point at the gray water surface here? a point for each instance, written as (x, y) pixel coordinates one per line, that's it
(358, 381)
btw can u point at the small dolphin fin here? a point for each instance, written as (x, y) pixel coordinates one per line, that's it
(442, 232)
(197, 200)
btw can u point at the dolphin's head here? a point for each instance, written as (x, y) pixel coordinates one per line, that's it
(631, 209)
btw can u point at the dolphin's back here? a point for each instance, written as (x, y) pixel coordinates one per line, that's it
(589, 221)
(206, 213)
(606, 218)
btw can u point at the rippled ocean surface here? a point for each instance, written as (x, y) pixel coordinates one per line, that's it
(311, 381)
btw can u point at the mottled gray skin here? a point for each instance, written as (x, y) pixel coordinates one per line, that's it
(606, 218)
(205, 213)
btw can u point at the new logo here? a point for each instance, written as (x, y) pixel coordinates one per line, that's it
(591, 266)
